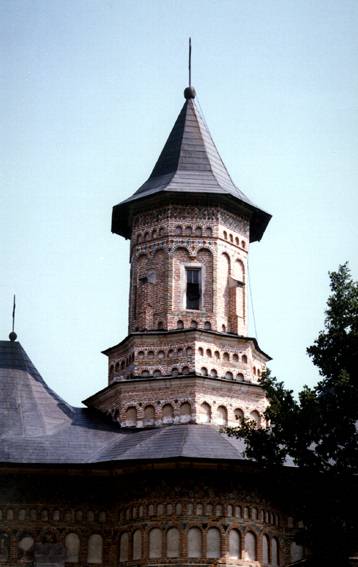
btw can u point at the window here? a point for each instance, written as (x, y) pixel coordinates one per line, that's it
(193, 277)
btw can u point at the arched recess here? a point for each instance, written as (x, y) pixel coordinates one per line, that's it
(239, 415)
(180, 258)
(255, 416)
(223, 299)
(205, 258)
(234, 544)
(95, 549)
(4, 546)
(124, 547)
(168, 413)
(185, 412)
(159, 264)
(195, 543)
(205, 413)
(137, 545)
(274, 552)
(173, 543)
(149, 415)
(265, 550)
(25, 547)
(213, 543)
(237, 296)
(131, 417)
(250, 547)
(72, 545)
(155, 543)
(221, 415)
(296, 552)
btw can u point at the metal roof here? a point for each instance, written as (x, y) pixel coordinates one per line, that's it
(37, 426)
(190, 164)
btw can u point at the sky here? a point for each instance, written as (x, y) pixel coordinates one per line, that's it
(89, 91)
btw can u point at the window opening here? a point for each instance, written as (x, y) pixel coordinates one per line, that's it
(193, 277)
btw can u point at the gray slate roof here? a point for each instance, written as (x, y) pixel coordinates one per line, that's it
(190, 164)
(37, 426)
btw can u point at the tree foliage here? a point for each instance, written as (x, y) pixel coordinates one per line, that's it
(317, 430)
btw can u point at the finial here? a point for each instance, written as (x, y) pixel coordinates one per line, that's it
(13, 335)
(189, 92)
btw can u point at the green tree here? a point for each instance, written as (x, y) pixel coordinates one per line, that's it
(317, 430)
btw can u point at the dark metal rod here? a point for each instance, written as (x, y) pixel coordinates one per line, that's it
(13, 313)
(189, 61)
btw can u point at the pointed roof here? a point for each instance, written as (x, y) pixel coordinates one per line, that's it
(189, 164)
(28, 407)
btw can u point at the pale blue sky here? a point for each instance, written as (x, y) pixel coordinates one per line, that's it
(89, 92)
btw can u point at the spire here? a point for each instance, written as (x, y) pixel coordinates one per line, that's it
(190, 163)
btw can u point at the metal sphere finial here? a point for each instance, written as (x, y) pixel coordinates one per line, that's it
(189, 92)
(12, 336)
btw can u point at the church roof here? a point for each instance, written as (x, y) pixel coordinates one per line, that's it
(190, 164)
(37, 426)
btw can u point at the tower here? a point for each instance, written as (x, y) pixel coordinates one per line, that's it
(187, 356)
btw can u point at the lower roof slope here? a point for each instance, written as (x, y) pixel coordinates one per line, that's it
(37, 426)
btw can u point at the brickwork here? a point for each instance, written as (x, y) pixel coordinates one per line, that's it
(167, 240)
(145, 523)
(171, 338)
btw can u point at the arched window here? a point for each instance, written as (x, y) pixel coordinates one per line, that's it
(160, 325)
(188, 230)
(274, 552)
(235, 357)
(178, 230)
(131, 417)
(222, 415)
(185, 370)
(201, 351)
(213, 373)
(157, 373)
(225, 234)
(207, 325)
(72, 545)
(95, 549)
(180, 324)
(226, 356)
(155, 543)
(244, 359)
(234, 544)
(213, 543)
(239, 414)
(204, 371)
(265, 549)
(173, 543)
(209, 231)
(195, 543)
(217, 354)
(250, 546)
(174, 371)
(198, 231)
(208, 353)
(229, 375)
(137, 545)
(205, 413)
(189, 351)
(240, 376)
